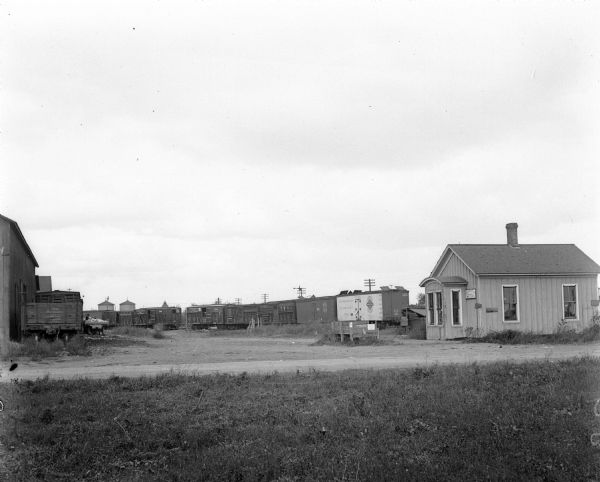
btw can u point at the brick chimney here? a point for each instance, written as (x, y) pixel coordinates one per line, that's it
(511, 235)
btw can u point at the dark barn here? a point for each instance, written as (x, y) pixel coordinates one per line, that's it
(17, 267)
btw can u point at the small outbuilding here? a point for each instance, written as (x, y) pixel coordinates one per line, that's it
(18, 282)
(477, 288)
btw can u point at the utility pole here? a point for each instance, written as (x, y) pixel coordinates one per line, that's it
(238, 301)
(265, 297)
(369, 283)
(300, 291)
(218, 301)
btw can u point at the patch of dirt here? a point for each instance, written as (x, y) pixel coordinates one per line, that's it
(202, 353)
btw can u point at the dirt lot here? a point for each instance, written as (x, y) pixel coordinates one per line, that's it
(205, 353)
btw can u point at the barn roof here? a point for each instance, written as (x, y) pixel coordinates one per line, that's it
(545, 259)
(15, 226)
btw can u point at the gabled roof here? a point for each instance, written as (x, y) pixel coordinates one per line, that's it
(15, 226)
(544, 259)
(106, 302)
(127, 302)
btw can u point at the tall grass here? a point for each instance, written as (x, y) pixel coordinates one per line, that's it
(43, 348)
(500, 421)
(513, 337)
(138, 332)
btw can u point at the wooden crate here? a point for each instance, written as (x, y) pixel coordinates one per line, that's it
(354, 330)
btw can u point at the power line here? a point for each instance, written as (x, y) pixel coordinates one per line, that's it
(300, 291)
(265, 297)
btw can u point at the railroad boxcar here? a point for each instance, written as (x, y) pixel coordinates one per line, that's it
(226, 316)
(168, 317)
(54, 313)
(260, 313)
(320, 309)
(384, 306)
(284, 311)
(193, 317)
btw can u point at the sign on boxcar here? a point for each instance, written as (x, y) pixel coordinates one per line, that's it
(360, 307)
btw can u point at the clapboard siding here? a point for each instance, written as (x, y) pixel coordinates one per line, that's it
(455, 267)
(540, 302)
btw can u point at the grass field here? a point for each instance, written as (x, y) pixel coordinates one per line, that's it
(590, 334)
(500, 421)
(38, 350)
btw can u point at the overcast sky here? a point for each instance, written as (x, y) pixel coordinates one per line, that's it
(184, 151)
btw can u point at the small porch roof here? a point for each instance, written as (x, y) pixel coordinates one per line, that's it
(445, 280)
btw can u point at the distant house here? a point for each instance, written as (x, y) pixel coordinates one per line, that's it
(106, 306)
(478, 288)
(127, 306)
(18, 286)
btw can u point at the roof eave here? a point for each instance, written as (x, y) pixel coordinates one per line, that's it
(14, 224)
(539, 274)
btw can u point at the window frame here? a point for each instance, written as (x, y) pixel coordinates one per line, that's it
(576, 301)
(518, 308)
(439, 308)
(431, 308)
(460, 308)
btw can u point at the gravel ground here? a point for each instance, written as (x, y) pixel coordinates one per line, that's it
(205, 353)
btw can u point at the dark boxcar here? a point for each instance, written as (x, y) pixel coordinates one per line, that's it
(263, 314)
(395, 302)
(222, 316)
(169, 317)
(285, 311)
(111, 316)
(55, 312)
(320, 309)
(125, 318)
(233, 316)
(193, 317)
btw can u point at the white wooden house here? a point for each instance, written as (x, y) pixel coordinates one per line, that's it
(477, 288)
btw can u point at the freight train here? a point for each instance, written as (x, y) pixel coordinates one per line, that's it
(386, 306)
(169, 317)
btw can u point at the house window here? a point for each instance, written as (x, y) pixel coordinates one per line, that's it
(569, 302)
(430, 309)
(510, 296)
(439, 307)
(456, 308)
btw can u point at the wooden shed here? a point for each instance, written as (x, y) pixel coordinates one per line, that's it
(18, 285)
(477, 288)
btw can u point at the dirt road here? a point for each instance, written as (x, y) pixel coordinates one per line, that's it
(202, 353)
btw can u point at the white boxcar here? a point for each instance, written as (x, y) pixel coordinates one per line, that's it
(360, 307)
